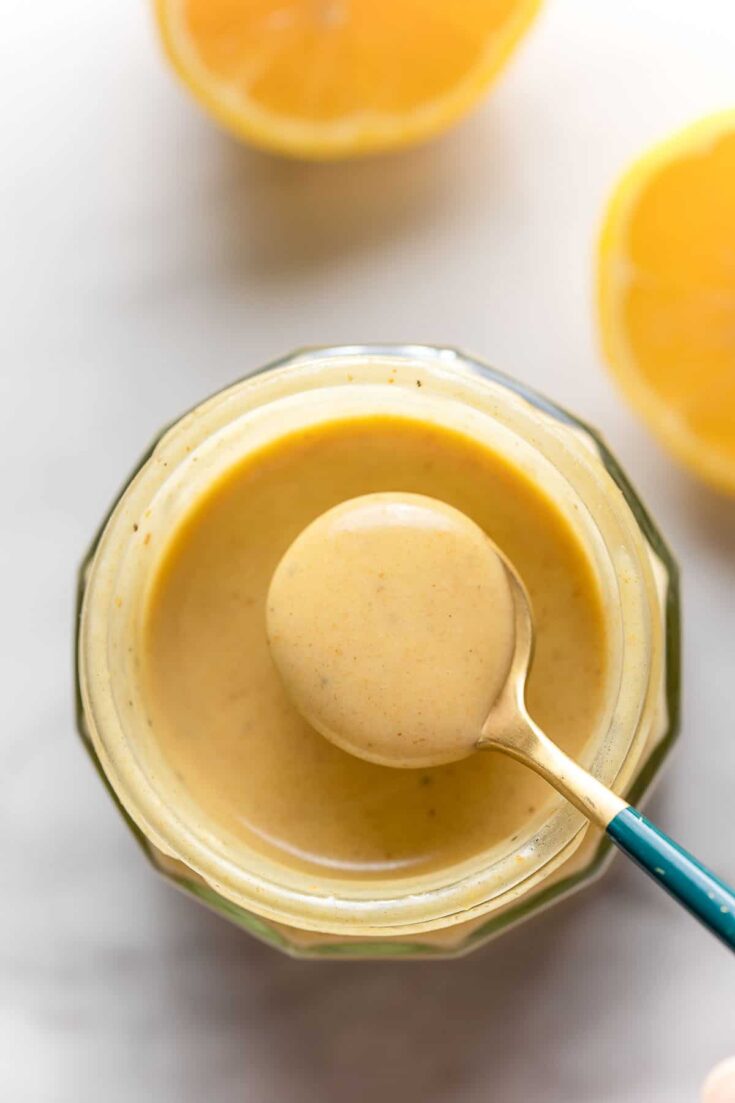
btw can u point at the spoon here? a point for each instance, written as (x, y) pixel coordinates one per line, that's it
(370, 616)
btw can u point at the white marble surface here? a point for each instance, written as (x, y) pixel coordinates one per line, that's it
(146, 260)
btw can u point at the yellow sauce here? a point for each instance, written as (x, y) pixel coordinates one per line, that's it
(391, 621)
(224, 721)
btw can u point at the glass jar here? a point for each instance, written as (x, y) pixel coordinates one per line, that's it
(447, 912)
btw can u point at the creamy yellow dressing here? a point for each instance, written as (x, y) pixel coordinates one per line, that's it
(224, 721)
(390, 619)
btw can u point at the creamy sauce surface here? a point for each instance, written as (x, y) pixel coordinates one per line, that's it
(261, 775)
(390, 619)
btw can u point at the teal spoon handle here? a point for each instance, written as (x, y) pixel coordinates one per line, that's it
(709, 900)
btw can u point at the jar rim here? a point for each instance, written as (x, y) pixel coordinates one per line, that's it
(363, 912)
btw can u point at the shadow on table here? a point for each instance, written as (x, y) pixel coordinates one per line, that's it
(289, 1031)
(709, 513)
(279, 220)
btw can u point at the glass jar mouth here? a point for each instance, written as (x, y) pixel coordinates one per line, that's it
(169, 480)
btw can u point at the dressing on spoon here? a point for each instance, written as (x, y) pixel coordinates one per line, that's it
(404, 636)
(390, 619)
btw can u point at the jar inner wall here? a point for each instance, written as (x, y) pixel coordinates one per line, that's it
(342, 894)
(227, 728)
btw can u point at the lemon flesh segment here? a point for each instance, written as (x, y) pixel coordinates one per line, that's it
(330, 78)
(667, 294)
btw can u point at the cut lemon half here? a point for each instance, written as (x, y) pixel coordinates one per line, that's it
(666, 289)
(336, 78)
